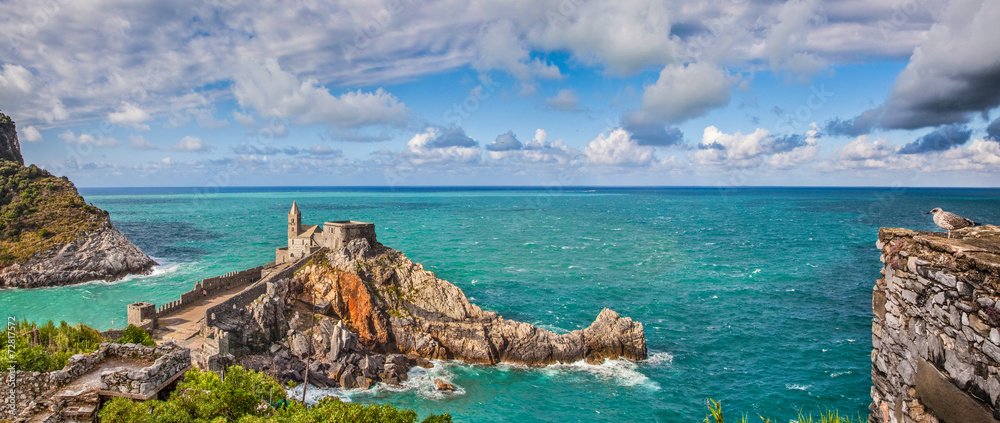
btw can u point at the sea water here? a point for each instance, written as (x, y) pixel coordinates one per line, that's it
(756, 297)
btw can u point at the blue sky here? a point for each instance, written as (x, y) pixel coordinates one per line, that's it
(554, 92)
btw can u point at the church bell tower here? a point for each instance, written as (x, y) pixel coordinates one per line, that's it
(294, 220)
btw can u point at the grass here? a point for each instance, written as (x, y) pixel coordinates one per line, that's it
(715, 416)
(39, 211)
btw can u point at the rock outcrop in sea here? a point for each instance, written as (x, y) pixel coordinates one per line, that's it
(367, 314)
(49, 235)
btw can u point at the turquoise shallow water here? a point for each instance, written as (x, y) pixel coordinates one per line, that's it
(759, 297)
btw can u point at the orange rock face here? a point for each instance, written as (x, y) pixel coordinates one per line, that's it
(352, 301)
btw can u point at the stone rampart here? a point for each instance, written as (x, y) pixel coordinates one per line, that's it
(211, 286)
(232, 305)
(936, 329)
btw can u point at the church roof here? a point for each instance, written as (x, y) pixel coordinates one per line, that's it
(295, 208)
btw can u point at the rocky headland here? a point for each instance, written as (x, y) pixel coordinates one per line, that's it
(366, 314)
(48, 234)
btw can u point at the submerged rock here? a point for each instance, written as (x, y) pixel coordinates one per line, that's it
(441, 385)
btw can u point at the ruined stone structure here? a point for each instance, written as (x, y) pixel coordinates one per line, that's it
(114, 370)
(936, 329)
(303, 240)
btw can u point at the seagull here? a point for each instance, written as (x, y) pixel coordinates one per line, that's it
(950, 221)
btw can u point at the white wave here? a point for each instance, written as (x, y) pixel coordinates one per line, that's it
(621, 372)
(421, 382)
(314, 394)
(660, 358)
(836, 374)
(797, 387)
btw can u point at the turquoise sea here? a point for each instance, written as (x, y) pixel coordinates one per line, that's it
(758, 297)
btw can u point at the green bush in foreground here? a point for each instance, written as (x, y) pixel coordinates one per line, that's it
(715, 416)
(47, 347)
(136, 335)
(247, 397)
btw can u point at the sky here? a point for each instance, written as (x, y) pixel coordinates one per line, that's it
(225, 93)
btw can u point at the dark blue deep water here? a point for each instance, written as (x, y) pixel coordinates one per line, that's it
(758, 297)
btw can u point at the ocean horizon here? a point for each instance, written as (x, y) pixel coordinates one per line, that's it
(759, 297)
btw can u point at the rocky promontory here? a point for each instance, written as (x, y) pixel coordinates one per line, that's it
(48, 234)
(367, 314)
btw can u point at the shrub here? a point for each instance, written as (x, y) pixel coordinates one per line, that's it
(136, 335)
(47, 347)
(247, 396)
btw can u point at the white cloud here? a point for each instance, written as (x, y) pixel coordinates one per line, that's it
(275, 93)
(138, 142)
(168, 161)
(978, 155)
(735, 149)
(538, 150)
(758, 148)
(786, 40)
(683, 92)
(31, 134)
(623, 36)
(15, 81)
(245, 119)
(864, 153)
(191, 143)
(97, 141)
(565, 100)
(437, 145)
(618, 149)
(130, 114)
(800, 154)
(500, 47)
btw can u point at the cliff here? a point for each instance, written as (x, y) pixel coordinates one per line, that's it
(10, 149)
(366, 314)
(936, 327)
(48, 234)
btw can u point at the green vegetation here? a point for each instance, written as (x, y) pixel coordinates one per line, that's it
(44, 348)
(136, 335)
(39, 211)
(715, 416)
(246, 396)
(4, 118)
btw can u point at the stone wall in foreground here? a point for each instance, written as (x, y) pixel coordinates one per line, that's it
(936, 328)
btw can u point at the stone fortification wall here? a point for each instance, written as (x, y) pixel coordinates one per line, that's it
(936, 329)
(232, 305)
(211, 286)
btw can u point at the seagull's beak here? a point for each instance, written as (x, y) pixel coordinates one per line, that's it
(928, 213)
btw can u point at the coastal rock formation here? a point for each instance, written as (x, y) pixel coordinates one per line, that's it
(394, 305)
(48, 234)
(103, 253)
(10, 149)
(367, 314)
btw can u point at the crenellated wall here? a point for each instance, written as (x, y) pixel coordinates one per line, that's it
(936, 327)
(212, 286)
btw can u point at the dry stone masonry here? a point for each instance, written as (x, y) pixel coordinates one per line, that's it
(50, 396)
(936, 329)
